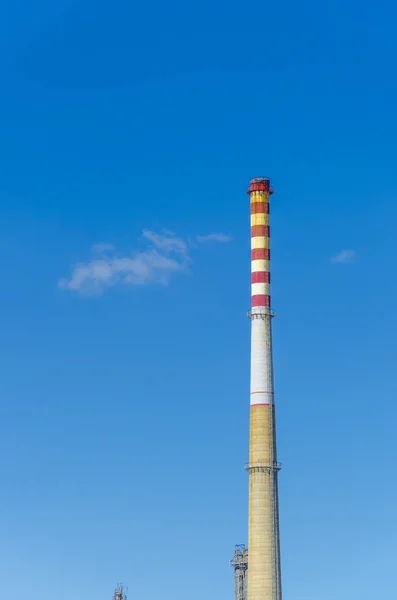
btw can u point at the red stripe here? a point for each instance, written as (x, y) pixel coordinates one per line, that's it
(252, 405)
(261, 300)
(260, 254)
(263, 230)
(260, 277)
(259, 186)
(259, 208)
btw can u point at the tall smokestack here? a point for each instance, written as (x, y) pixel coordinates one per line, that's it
(264, 581)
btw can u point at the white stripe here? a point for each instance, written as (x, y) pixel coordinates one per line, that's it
(261, 398)
(259, 219)
(260, 241)
(261, 362)
(260, 288)
(260, 265)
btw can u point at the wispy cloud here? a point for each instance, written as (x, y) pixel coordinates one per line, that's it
(214, 237)
(101, 248)
(164, 255)
(166, 242)
(345, 256)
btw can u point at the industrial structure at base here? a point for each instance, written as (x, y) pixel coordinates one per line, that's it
(257, 569)
(119, 593)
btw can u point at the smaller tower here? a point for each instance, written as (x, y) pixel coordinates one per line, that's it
(119, 593)
(240, 565)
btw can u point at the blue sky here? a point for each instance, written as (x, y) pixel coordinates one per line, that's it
(129, 132)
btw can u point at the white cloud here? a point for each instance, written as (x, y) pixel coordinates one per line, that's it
(167, 242)
(345, 256)
(165, 255)
(214, 237)
(102, 248)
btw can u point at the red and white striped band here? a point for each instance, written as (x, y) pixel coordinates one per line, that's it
(260, 244)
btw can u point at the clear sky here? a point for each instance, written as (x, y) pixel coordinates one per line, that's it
(128, 134)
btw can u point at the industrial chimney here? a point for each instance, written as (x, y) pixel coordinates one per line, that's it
(263, 557)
